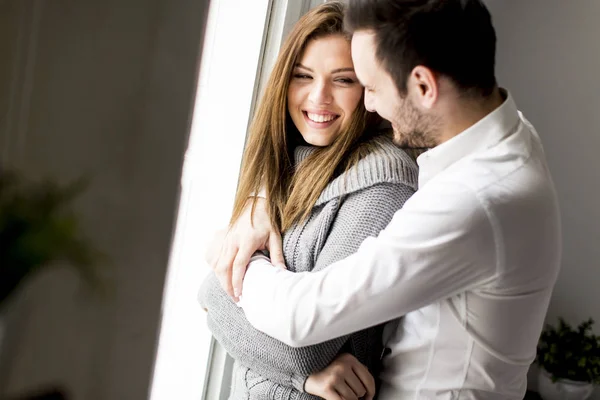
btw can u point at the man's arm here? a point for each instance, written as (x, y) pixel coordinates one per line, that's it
(441, 243)
(360, 215)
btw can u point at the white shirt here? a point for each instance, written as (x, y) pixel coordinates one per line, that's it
(469, 262)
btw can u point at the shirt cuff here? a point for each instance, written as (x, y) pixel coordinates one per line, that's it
(259, 261)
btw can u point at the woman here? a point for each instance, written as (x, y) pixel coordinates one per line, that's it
(331, 179)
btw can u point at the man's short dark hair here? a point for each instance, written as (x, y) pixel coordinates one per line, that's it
(454, 38)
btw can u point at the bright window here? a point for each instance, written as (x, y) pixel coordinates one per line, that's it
(232, 54)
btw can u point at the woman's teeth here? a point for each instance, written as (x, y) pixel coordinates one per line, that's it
(320, 117)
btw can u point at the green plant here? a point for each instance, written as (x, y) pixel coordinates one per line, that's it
(567, 353)
(38, 228)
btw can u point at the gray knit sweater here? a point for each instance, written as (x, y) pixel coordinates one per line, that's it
(354, 206)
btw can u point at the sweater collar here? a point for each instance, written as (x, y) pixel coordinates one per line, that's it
(387, 163)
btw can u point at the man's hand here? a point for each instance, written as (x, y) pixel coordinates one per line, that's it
(230, 251)
(344, 379)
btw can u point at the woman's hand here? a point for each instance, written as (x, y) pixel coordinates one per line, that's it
(230, 251)
(344, 379)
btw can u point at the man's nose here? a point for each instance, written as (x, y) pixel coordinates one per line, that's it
(369, 103)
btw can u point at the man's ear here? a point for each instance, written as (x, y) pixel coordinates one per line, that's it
(424, 87)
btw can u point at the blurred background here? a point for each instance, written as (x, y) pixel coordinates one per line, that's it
(150, 100)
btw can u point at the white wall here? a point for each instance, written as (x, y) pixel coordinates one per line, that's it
(549, 58)
(103, 88)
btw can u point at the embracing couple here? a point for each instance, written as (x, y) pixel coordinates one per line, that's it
(362, 262)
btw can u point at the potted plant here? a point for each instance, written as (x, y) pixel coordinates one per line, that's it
(38, 228)
(569, 361)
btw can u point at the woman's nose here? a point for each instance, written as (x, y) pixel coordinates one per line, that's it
(321, 93)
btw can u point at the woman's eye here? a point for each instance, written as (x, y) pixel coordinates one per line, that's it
(301, 76)
(346, 81)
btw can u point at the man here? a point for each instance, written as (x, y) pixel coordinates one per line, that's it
(471, 259)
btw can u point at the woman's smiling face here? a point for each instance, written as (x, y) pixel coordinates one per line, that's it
(324, 90)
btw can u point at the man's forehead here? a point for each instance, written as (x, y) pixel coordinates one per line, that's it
(363, 49)
(363, 39)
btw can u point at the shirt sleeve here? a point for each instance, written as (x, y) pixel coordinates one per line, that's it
(441, 243)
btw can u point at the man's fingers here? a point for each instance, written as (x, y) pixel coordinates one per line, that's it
(345, 391)
(223, 268)
(367, 380)
(332, 395)
(237, 246)
(239, 269)
(276, 250)
(355, 384)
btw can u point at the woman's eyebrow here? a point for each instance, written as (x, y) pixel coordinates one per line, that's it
(347, 69)
(298, 65)
(335, 71)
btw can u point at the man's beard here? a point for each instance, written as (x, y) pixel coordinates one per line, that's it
(413, 129)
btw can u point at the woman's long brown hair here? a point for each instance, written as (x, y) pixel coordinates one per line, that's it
(292, 191)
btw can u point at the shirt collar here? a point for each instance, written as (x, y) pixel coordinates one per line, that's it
(485, 133)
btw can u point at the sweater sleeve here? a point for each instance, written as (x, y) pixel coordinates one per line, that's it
(361, 214)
